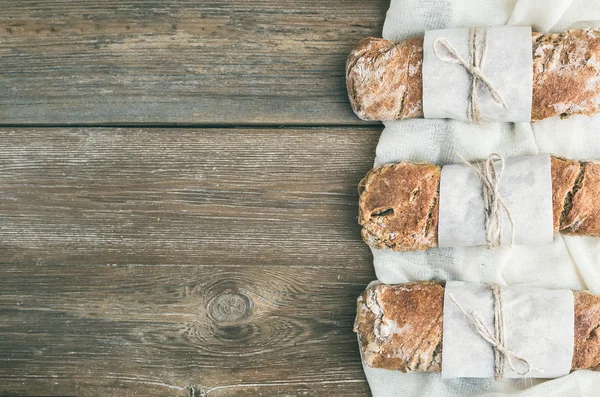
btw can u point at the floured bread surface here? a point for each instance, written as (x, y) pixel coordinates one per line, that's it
(564, 176)
(385, 79)
(398, 206)
(583, 216)
(586, 354)
(400, 326)
(566, 73)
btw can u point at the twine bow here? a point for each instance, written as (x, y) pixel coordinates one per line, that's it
(474, 67)
(492, 200)
(497, 338)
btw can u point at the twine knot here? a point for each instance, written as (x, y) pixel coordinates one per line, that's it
(477, 54)
(496, 338)
(492, 200)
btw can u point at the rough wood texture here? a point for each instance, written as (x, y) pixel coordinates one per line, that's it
(90, 330)
(181, 262)
(112, 61)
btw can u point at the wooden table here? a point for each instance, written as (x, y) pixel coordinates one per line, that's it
(178, 197)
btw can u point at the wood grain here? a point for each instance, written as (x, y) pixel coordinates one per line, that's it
(217, 262)
(183, 196)
(197, 62)
(91, 330)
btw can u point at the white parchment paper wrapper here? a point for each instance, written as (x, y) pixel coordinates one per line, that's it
(526, 188)
(539, 328)
(508, 65)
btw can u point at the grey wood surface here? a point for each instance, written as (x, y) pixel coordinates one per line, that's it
(181, 261)
(209, 246)
(264, 62)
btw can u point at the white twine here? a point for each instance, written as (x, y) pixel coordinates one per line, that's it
(477, 54)
(492, 200)
(497, 338)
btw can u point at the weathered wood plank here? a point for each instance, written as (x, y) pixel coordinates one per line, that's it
(183, 196)
(199, 62)
(91, 330)
(146, 261)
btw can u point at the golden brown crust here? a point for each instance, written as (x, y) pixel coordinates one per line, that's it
(398, 206)
(399, 203)
(583, 219)
(400, 327)
(384, 79)
(564, 175)
(586, 353)
(565, 74)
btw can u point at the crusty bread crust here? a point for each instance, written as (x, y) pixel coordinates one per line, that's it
(586, 354)
(564, 179)
(400, 327)
(565, 73)
(398, 206)
(583, 219)
(384, 79)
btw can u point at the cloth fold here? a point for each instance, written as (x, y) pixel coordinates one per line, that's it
(569, 262)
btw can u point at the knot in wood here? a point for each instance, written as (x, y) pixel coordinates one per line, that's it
(229, 307)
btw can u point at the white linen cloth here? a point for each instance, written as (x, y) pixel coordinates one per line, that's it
(569, 262)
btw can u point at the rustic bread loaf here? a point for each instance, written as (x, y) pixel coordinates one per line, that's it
(400, 327)
(399, 203)
(384, 79)
(398, 206)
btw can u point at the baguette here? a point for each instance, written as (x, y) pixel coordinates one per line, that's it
(399, 203)
(384, 79)
(400, 327)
